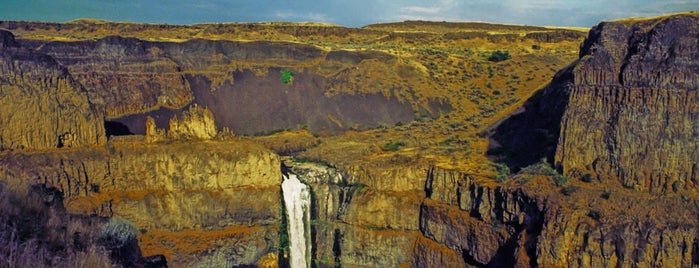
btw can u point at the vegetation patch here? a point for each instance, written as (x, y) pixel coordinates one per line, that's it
(287, 76)
(543, 168)
(499, 55)
(393, 145)
(117, 233)
(503, 172)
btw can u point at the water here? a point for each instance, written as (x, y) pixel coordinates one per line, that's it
(297, 198)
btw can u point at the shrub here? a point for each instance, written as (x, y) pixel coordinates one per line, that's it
(36, 232)
(498, 55)
(117, 233)
(560, 179)
(94, 187)
(569, 190)
(503, 172)
(543, 168)
(393, 146)
(287, 76)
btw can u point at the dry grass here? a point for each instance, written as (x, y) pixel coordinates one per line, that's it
(36, 232)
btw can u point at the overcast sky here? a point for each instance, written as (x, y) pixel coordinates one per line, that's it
(353, 13)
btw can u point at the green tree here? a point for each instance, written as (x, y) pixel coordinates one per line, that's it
(287, 76)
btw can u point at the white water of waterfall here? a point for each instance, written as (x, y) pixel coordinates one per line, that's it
(297, 199)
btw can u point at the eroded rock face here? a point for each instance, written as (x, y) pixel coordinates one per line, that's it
(199, 189)
(121, 75)
(519, 224)
(197, 123)
(130, 79)
(41, 106)
(633, 107)
(625, 111)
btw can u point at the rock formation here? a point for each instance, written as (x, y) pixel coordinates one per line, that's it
(130, 79)
(197, 122)
(41, 106)
(625, 111)
(200, 189)
(121, 75)
(529, 224)
(633, 105)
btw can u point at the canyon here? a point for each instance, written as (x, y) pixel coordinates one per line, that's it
(408, 145)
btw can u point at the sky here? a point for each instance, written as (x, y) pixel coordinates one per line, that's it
(350, 13)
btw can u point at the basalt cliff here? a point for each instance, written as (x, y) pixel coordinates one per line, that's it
(421, 143)
(627, 109)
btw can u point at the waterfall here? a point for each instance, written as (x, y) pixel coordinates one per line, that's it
(297, 199)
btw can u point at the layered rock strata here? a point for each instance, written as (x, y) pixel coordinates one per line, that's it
(240, 82)
(527, 223)
(626, 111)
(633, 109)
(170, 192)
(41, 105)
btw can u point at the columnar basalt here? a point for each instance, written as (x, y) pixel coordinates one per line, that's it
(41, 105)
(626, 111)
(633, 107)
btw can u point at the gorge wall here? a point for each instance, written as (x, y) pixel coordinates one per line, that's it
(240, 82)
(626, 111)
(172, 193)
(42, 105)
(637, 86)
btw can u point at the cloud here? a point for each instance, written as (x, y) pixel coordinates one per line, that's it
(423, 18)
(439, 10)
(302, 16)
(419, 9)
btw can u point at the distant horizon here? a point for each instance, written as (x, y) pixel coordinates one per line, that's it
(306, 22)
(356, 14)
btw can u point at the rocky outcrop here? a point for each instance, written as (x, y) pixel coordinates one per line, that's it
(480, 220)
(41, 106)
(555, 36)
(587, 239)
(637, 86)
(170, 192)
(122, 75)
(626, 111)
(197, 122)
(527, 224)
